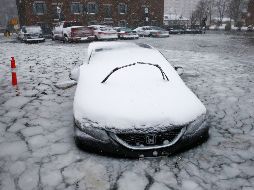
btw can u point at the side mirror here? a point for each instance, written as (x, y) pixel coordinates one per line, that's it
(74, 74)
(179, 70)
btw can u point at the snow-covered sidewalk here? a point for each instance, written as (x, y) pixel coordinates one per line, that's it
(37, 149)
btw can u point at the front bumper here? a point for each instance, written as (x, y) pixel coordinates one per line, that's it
(30, 40)
(132, 36)
(107, 36)
(112, 146)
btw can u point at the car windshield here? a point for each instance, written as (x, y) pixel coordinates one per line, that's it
(157, 28)
(106, 28)
(126, 29)
(33, 30)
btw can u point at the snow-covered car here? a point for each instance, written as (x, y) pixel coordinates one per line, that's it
(31, 34)
(126, 33)
(175, 31)
(103, 32)
(250, 28)
(152, 31)
(131, 102)
(193, 31)
(72, 31)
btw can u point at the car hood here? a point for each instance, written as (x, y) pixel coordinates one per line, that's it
(33, 33)
(134, 97)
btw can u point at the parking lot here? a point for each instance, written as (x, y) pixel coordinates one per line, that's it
(37, 149)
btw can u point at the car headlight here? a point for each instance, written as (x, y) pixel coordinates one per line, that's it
(196, 124)
(89, 128)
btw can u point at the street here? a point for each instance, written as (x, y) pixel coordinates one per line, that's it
(37, 149)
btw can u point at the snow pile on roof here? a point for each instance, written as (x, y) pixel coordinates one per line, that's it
(174, 17)
(225, 19)
(135, 95)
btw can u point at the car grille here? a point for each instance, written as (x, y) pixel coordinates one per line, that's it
(150, 139)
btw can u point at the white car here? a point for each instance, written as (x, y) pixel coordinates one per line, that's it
(130, 101)
(29, 34)
(126, 33)
(151, 31)
(103, 32)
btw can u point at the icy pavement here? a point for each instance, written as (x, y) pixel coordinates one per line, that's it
(37, 149)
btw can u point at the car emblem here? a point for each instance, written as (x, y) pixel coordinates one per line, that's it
(150, 139)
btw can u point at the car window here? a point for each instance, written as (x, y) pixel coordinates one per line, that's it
(33, 30)
(156, 28)
(126, 29)
(24, 30)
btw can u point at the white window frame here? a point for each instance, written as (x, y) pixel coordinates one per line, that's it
(119, 9)
(79, 5)
(87, 9)
(119, 23)
(110, 5)
(39, 2)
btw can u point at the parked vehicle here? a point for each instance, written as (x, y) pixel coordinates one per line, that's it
(103, 32)
(71, 31)
(176, 31)
(152, 31)
(134, 104)
(250, 28)
(126, 33)
(193, 31)
(29, 34)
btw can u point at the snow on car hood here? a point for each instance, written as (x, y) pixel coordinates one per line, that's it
(136, 96)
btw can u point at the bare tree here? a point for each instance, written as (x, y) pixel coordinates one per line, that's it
(200, 13)
(235, 10)
(194, 18)
(221, 6)
(210, 6)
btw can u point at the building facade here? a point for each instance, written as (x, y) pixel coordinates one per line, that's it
(250, 13)
(130, 13)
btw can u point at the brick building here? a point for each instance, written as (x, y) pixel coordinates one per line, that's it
(250, 14)
(130, 13)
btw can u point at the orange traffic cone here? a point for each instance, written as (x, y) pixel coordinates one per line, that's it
(14, 80)
(13, 72)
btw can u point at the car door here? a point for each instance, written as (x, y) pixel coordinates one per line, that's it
(148, 31)
(22, 33)
(58, 30)
(141, 31)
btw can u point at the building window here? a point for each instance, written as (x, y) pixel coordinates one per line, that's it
(92, 8)
(107, 11)
(76, 8)
(122, 8)
(154, 23)
(108, 21)
(57, 12)
(39, 8)
(122, 23)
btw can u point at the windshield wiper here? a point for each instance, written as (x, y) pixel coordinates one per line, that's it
(164, 76)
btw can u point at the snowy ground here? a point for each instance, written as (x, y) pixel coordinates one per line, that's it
(37, 150)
